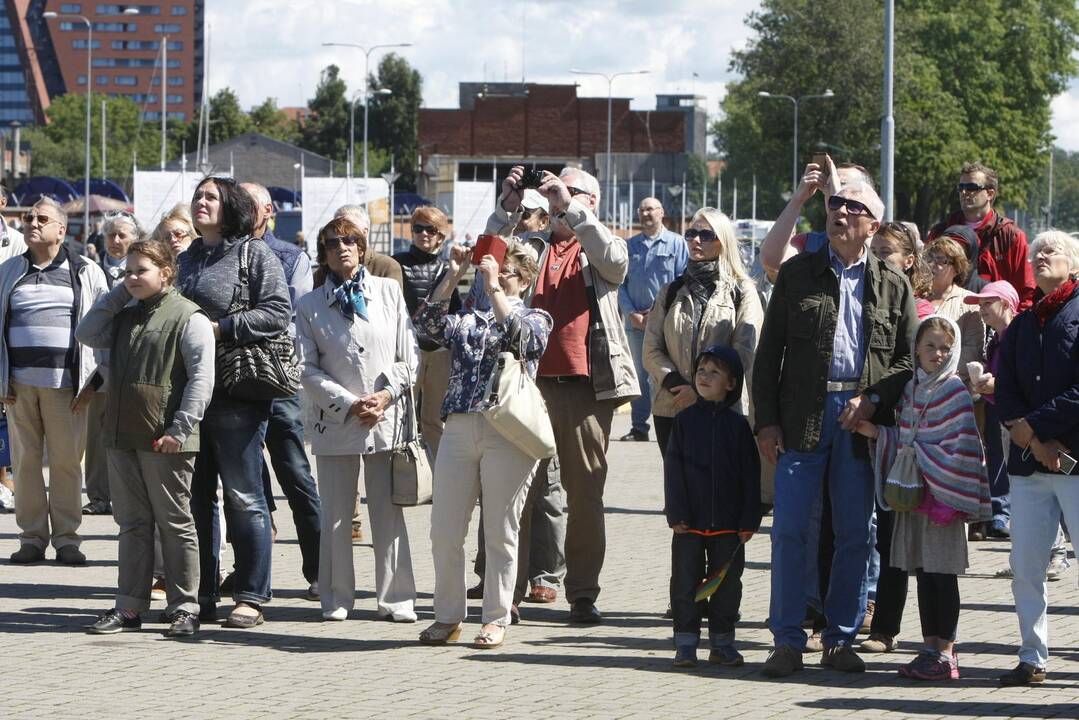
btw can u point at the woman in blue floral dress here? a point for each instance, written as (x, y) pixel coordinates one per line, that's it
(474, 460)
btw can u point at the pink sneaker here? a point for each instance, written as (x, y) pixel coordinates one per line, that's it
(936, 668)
(921, 659)
(955, 666)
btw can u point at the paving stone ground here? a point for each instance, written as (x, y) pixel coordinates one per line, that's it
(296, 666)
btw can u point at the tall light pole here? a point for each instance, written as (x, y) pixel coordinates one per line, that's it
(50, 15)
(796, 101)
(366, 64)
(610, 86)
(352, 127)
(887, 123)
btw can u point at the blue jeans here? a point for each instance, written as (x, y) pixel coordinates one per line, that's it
(284, 441)
(996, 463)
(798, 483)
(641, 407)
(231, 449)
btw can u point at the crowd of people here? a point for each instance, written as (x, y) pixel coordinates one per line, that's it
(887, 401)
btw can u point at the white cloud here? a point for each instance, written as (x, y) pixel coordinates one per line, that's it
(1066, 118)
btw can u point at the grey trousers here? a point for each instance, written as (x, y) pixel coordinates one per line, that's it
(582, 431)
(97, 463)
(151, 490)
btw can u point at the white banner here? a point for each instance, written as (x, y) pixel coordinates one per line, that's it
(473, 203)
(157, 192)
(322, 196)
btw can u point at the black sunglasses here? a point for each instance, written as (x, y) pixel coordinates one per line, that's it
(418, 229)
(971, 187)
(574, 192)
(332, 243)
(705, 236)
(853, 206)
(42, 220)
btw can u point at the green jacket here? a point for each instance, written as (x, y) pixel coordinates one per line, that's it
(147, 374)
(795, 350)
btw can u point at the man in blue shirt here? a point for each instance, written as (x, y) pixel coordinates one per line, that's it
(656, 257)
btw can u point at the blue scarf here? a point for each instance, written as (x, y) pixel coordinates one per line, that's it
(349, 295)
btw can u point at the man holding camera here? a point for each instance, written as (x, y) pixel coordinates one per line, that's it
(587, 369)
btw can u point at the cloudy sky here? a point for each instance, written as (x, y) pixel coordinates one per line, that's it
(279, 52)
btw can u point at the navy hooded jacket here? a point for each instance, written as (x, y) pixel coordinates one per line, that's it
(712, 469)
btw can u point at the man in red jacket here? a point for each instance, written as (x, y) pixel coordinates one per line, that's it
(1002, 251)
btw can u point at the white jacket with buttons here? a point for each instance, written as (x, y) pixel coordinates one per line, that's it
(346, 359)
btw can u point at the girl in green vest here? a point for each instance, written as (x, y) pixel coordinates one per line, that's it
(160, 379)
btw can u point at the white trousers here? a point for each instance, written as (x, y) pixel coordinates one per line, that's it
(338, 480)
(475, 461)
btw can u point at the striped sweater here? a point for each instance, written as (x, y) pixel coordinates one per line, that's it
(947, 445)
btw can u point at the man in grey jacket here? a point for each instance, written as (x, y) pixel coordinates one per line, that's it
(587, 369)
(47, 379)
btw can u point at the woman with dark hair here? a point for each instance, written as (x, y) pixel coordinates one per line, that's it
(359, 360)
(896, 243)
(209, 275)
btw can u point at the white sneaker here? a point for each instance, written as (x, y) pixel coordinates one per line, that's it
(1057, 567)
(336, 614)
(7, 500)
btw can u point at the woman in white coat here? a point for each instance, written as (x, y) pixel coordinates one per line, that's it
(359, 358)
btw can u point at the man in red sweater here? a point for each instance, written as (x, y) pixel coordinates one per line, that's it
(1002, 251)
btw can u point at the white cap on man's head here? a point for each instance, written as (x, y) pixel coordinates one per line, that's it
(532, 200)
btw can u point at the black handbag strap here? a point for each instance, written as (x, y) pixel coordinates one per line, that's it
(245, 254)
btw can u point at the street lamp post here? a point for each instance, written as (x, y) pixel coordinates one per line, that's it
(610, 85)
(50, 15)
(352, 128)
(366, 63)
(796, 101)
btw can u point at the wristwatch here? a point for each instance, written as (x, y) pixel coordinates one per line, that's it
(873, 398)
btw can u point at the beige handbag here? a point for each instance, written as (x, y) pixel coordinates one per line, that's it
(410, 464)
(516, 408)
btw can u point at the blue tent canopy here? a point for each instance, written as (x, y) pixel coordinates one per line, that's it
(285, 196)
(405, 202)
(102, 187)
(31, 190)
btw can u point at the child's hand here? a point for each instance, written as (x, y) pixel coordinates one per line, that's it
(684, 396)
(680, 528)
(745, 536)
(986, 385)
(868, 429)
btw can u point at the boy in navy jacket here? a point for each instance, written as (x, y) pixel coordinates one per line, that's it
(713, 505)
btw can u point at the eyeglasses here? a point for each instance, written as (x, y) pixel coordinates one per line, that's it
(853, 206)
(971, 187)
(42, 220)
(938, 260)
(418, 229)
(332, 243)
(508, 273)
(574, 192)
(178, 232)
(705, 236)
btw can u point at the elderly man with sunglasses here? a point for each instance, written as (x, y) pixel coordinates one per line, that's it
(47, 380)
(587, 370)
(834, 350)
(1002, 247)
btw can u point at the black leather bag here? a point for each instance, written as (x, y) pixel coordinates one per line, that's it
(266, 369)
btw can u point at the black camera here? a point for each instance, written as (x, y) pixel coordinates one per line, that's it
(531, 179)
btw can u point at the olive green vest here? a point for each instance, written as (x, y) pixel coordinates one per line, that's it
(147, 375)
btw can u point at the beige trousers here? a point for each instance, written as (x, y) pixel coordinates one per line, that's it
(582, 430)
(153, 490)
(338, 479)
(40, 415)
(431, 384)
(475, 461)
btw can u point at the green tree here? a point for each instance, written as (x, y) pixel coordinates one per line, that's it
(392, 123)
(267, 119)
(326, 131)
(973, 81)
(1064, 212)
(59, 146)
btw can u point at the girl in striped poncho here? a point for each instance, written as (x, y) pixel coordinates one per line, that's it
(937, 417)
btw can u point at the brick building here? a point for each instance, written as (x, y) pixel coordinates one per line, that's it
(502, 124)
(126, 54)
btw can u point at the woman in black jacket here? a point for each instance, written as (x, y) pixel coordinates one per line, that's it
(423, 269)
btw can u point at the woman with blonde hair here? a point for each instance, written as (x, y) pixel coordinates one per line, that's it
(714, 302)
(475, 460)
(175, 229)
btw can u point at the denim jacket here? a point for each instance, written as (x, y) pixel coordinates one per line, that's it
(475, 339)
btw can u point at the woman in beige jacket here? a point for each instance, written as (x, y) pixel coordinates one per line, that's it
(713, 303)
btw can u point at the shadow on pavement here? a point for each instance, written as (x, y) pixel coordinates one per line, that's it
(997, 707)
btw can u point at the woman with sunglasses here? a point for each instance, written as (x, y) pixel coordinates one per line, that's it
(714, 302)
(232, 428)
(358, 350)
(175, 229)
(423, 269)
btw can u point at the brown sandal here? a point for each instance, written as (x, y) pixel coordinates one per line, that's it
(441, 633)
(490, 639)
